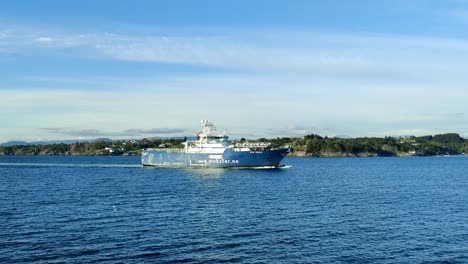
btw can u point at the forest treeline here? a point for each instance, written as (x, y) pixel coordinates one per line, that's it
(309, 145)
(94, 148)
(315, 145)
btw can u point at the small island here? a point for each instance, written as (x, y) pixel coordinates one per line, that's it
(309, 146)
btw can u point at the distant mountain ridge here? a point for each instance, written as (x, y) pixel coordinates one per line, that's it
(41, 143)
(14, 143)
(70, 141)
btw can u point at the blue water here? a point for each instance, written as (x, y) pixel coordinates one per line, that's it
(344, 210)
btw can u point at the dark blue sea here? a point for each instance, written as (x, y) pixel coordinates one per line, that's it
(319, 210)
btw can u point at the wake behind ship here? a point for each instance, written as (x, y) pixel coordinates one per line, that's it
(212, 149)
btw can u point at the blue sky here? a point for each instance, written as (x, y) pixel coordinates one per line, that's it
(132, 69)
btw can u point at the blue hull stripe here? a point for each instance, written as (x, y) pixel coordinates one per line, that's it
(229, 158)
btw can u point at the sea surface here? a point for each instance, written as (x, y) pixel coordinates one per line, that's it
(319, 210)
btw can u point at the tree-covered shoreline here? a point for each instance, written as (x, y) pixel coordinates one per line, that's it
(92, 148)
(310, 145)
(318, 146)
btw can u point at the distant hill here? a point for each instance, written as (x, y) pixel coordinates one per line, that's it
(72, 141)
(43, 143)
(101, 140)
(14, 143)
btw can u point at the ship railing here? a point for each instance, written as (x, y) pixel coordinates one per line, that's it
(253, 144)
(167, 149)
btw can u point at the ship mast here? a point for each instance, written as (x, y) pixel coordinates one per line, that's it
(209, 133)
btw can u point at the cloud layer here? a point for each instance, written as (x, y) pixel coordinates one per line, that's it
(91, 133)
(259, 83)
(366, 56)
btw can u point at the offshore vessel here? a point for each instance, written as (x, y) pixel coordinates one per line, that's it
(213, 149)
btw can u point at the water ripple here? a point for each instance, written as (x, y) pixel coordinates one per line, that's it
(109, 209)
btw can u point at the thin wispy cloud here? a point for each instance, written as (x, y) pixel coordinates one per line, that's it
(155, 131)
(341, 105)
(44, 39)
(410, 132)
(75, 133)
(458, 12)
(295, 131)
(92, 133)
(340, 55)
